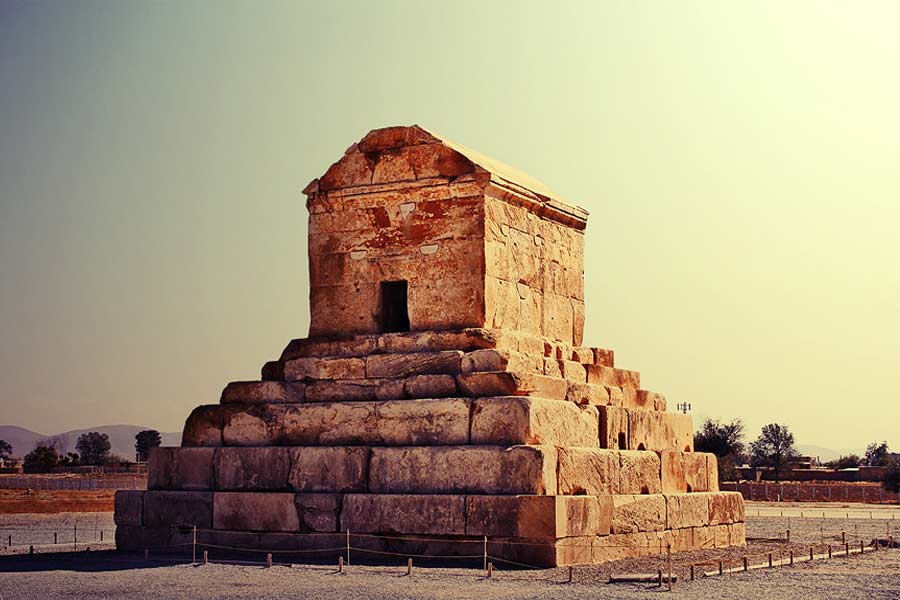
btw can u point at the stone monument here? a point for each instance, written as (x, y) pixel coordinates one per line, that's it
(444, 396)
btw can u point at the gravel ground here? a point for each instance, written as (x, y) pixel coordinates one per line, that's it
(111, 575)
(106, 575)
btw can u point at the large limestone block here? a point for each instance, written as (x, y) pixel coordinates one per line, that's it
(164, 509)
(396, 343)
(399, 422)
(737, 534)
(592, 471)
(423, 422)
(254, 425)
(430, 386)
(336, 469)
(588, 394)
(263, 391)
(420, 363)
(255, 511)
(319, 513)
(324, 368)
(725, 508)
(682, 427)
(687, 510)
(696, 470)
(613, 427)
(538, 516)
(500, 360)
(463, 469)
(634, 513)
(252, 469)
(604, 357)
(129, 507)
(203, 426)
(404, 514)
(512, 420)
(712, 472)
(673, 475)
(504, 383)
(355, 390)
(639, 472)
(189, 469)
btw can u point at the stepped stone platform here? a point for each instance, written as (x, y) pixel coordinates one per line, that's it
(444, 394)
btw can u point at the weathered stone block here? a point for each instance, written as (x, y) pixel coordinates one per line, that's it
(591, 471)
(463, 469)
(646, 400)
(203, 426)
(712, 472)
(324, 469)
(726, 507)
(604, 357)
(512, 384)
(319, 513)
(639, 472)
(613, 427)
(588, 393)
(263, 391)
(254, 425)
(164, 509)
(634, 513)
(496, 360)
(355, 390)
(583, 355)
(552, 368)
(324, 368)
(573, 371)
(404, 514)
(682, 428)
(673, 476)
(430, 386)
(421, 363)
(687, 510)
(189, 469)
(512, 420)
(255, 511)
(538, 516)
(423, 422)
(129, 507)
(252, 469)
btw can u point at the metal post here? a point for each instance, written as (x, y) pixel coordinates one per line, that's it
(348, 547)
(55, 537)
(340, 564)
(490, 570)
(75, 535)
(669, 564)
(811, 553)
(268, 560)
(746, 566)
(791, 557)
(692, 567)
(485, 553)
(194, 547)
(205, 557)
(721, 568)
(571, 569)
(770, 560)
(409, 566)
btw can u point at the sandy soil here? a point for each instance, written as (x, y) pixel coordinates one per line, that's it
(55, 501)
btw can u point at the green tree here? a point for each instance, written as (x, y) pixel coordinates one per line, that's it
(93, 448)
(41, 459)
(725, 440)
(892, 477)
(144, 441)
(773, 448)
(5, 449)
(844, 462)
(877, 454)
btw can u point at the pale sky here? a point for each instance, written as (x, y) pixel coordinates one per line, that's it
(739, 161)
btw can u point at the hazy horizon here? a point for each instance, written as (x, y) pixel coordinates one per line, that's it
(737, 161)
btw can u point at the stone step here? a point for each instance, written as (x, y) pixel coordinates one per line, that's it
(506, 421)
(538, 530)
(636, 429)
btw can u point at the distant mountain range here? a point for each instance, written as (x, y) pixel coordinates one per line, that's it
(121, 438)
(827, 454)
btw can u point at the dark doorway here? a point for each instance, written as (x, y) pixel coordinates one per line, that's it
(394, 311)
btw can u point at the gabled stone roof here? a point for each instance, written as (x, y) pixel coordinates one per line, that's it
(357, 166)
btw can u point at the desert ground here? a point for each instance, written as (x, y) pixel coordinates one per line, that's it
(57, 571)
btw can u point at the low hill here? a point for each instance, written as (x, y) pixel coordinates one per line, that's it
(121, 438)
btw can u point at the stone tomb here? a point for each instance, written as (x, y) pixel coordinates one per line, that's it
(444, 393)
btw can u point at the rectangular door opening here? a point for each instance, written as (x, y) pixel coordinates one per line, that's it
(394, 309)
